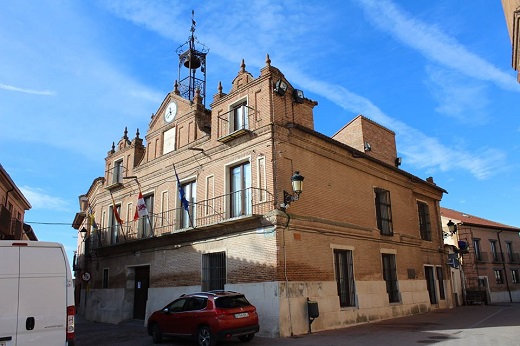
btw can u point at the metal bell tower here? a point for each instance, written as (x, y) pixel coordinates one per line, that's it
(192, 57)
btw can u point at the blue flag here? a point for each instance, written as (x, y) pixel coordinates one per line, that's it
(182, 196)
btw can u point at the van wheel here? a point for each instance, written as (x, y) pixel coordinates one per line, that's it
(204, 337)
(156, 334)
(246, 338)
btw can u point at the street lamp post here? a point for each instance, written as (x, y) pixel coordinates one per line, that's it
(297, 186)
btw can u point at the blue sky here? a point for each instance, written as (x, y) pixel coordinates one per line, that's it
(73, 74)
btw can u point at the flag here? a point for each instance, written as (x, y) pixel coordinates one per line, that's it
(92, 218)
(116, 214)
(140, 209)
(182, 196)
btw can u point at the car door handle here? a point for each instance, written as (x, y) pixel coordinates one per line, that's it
(29, 323)
(6, 338)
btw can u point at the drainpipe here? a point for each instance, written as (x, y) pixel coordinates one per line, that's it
(504, 265)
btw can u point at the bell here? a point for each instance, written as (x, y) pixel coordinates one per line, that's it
(192, 62)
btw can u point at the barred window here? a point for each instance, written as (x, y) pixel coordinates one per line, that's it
(213, 271)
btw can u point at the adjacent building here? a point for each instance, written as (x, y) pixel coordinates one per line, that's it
(13, 206)
(489, 254)
(512, 15)
(205, 201)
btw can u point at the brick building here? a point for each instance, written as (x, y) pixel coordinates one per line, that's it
(363, 239)
(13, 206)
(512, 16)
(491, 263)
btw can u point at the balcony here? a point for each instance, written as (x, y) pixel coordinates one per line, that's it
(222, 210)
(235, 123)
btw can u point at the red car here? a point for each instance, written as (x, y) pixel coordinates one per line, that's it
(207, 316)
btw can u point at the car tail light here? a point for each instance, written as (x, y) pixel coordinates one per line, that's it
(71, 311)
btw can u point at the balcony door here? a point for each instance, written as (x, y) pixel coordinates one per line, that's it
(240, 190)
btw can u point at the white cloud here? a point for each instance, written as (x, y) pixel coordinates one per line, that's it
(27, 91)
(433, 44)
(39, 199)
(458, 97)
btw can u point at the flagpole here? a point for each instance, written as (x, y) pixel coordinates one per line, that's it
(94, 224)
(184, 201)
(147, 214)
(116, 215)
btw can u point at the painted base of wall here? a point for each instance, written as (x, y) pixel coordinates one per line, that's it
(281, 306)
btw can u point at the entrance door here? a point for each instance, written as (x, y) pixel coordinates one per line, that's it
(430, 283)
(142, 281)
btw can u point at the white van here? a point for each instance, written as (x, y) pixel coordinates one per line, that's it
(36, 294)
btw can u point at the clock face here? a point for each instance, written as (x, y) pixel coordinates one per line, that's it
(170, 112)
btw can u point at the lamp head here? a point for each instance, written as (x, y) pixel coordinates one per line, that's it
(452, 227)
(297, 183)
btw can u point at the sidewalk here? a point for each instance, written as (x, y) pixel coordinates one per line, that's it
(497, 325)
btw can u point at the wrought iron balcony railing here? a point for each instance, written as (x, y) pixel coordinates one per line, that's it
(222, 209)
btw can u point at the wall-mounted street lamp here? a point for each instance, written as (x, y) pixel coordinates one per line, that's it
(297, 186)
(83, 234)
(452, 229)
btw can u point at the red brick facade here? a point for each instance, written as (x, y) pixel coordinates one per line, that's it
(279, 258)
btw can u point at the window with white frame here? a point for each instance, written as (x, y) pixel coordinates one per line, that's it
(117, 173)
(240, 190)
(239, 117)
(145, 223)
(188, 217)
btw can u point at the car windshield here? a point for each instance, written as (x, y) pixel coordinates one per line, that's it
(231, 302)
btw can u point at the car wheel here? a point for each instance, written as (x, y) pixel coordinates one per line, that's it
(156, 333)
(246, 338)
(204, 337)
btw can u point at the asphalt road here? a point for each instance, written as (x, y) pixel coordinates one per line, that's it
(494, 325)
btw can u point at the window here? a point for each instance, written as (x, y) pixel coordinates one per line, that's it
(424, 221)
(440, 278)
(493, 244)
(499, 277)
(345, 277)
(240, 192)
(514, 276)
(240, 117)
(145, 223)
(213, 271)
(510, 253)
(195, 303)
(390, 277)
(114, 224)
(476, 247)
(104, 284)
(188, 217)
(383, 211)
(117, 176)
